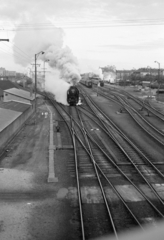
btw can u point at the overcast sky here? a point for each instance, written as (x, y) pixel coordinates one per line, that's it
(125, 33)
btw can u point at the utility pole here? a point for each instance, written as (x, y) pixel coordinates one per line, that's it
(7, 40)
(36, 55)
(33, 64)
(150, 80)
(44, 73)
(124, 77)
(158, 76)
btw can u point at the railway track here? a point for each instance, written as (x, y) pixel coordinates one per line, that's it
(141, 155)
(143, 104)
(153, 131)
(96, 169)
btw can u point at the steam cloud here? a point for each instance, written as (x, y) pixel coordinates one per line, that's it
(58, 87)
(58, 56)
(64, 61)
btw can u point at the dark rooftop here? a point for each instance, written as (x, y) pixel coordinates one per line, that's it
(6, 84)
(15, 106)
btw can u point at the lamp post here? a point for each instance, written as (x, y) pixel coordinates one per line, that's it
(36, 55)
(158, 70)
(150, 69)
(150, 79)
(158, 75)
(124, 77)
(7, 40)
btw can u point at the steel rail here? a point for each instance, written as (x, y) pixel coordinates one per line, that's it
(140, 191)
(124, 102)
(136, 167)
(72, 132)
(98, 178)
(117, 167)
(144, 104)
(77, 180)
(112, 186)
(115, 190)
(93, 162)
(125, 105)
(114, 126)
(144, 158)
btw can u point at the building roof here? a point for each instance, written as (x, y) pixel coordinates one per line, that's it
(6, 84)
(7, 117)
(15, 106)
(20, 93)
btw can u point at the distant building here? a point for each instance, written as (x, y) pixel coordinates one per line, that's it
(148, 71)
(121, 75)
(2, 73)
(9, 75)
(109, 73)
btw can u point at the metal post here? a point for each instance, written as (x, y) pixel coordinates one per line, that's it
(124, 77)
(7, 40)
(150, 81)
(36, 78)
(35, 81)
(158, 75)
(44, 77)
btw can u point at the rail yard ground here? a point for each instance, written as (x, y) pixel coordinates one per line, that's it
(33, 208)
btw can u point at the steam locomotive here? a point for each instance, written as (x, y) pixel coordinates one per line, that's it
(73, 96)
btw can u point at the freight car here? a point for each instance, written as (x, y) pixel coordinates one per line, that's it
(73, 96)
(87, 83)
(97, 81)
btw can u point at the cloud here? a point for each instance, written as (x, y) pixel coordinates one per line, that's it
(25, 9)
(134, 9)
(73, 10)
(149, 45)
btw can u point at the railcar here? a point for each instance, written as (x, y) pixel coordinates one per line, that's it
(101, 83)
(97, 81)
(87, 83)
(73, 96)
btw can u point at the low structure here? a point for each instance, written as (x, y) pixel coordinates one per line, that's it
(18, 95)
(13, 116)
(4, 85)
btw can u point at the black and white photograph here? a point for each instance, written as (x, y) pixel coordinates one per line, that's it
(81, 120)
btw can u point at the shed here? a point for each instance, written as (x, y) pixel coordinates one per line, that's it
(18, 95)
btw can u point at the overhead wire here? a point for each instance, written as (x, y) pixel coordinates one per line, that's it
(23, 54)
(87, 24)
(16, 53)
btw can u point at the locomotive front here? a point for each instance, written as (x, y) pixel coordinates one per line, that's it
(72, 96)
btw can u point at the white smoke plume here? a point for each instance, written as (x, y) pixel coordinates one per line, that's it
(34, 40)
(57, 86)
(63, 60)
(57, 55)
